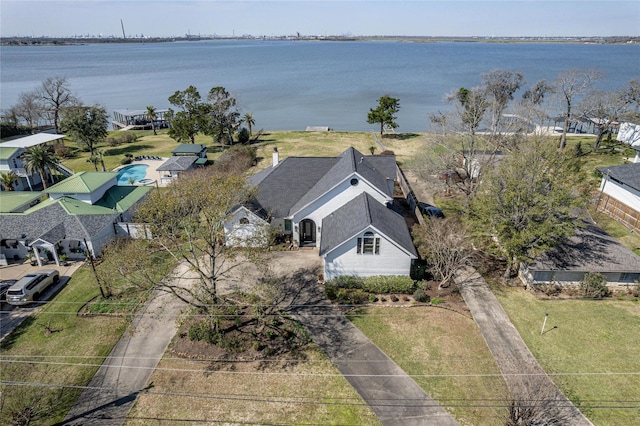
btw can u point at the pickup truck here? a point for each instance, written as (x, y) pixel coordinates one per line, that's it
(31, 286)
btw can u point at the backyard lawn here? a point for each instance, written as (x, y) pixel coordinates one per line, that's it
(592, 354)
(446, 355)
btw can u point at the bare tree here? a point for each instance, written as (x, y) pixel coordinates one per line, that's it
(538, 406)
(444, 244)
(29, 109)
(604, 109)
(567, 86)
(55, 94)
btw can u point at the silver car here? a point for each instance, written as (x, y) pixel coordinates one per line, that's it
(31, 286)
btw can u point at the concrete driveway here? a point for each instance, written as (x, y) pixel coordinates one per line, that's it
(12, 316)
(525, 378)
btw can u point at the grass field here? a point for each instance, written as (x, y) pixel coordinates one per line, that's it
(58, 357)
(310, 391)
(592, 354)
(447, 355)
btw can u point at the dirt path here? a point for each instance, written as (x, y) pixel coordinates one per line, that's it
(525, 378)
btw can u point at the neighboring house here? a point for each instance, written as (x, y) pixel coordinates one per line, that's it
(589, 250)
(171, 169)
(190, 149)
(340, 205)
(11, 159)
(637, 157)
(70, 217)
(620, 194)
(629, 133)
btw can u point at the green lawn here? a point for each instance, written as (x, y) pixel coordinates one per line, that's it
(447, 355)
(58, 357)
(593, 350)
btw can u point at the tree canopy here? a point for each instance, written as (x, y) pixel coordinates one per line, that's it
(39, 158)
(55, 95)
(87, 125)
(223, 115)
(190, 119)
(528, 202)
(384, 113)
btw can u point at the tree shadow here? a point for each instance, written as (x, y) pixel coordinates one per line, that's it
(121, 150)
(400, 136)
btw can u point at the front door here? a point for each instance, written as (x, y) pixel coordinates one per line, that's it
(307, 233)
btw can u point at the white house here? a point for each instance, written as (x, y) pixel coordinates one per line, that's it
(620, 194)
(333, 203)
(629, 133)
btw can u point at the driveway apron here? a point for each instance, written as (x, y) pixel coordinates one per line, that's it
(525, 378)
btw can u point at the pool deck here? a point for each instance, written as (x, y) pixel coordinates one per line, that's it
(152, 173)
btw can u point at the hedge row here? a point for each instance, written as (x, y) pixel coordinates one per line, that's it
(379, 284)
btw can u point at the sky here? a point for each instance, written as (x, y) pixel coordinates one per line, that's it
(170, 18)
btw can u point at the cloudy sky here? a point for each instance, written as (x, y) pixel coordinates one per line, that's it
(337, 17)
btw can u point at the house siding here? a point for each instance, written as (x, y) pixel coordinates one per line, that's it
(345, 260)
(333, 200)
(620, 202)
(252, 234)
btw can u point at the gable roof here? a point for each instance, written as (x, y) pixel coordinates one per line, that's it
(82, 183)
(349, 162)
(359, 214)
(189, 149)
(32, 140)
(14, 201)
(7, 152)
(589, 250)
(280, 187)
(627, 174)
(177, 163)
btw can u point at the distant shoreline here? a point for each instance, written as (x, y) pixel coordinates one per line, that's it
(71, 41)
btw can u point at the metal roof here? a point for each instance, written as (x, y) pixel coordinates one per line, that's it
(28, 141)
(82, 183)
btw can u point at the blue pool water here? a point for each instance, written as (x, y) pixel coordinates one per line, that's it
(136, 172)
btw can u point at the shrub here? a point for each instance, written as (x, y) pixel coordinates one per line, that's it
(243, 135)
(420, 296)
(379, 284)
(125, 160)
(113, 141)
(387, 152)
(594, 285)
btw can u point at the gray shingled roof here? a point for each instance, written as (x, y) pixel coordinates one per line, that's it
(45, 223)
(349, 162)
(289, 181)
(589, 250)
(359, 214)
(628, 174)
(177, 163)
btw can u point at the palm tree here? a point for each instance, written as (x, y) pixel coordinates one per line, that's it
(100, 155)
(152, 114)
(94, 159)
(249, 121)
(7, 179)
(38, 158)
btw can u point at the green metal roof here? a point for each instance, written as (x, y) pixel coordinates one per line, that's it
(13, 200)
(7, 152)
(121, 198)
(82, 183)
(188, 149)
(75, 207)
(201, 161)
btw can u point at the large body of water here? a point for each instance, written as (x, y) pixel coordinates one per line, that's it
(289, 85)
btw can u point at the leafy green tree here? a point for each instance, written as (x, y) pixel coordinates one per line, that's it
(527, 203)
(152, 115)
(384, 113)
(8, 179)
(191, 119)
(87, 125)
(55, 95)
(224, 116)
(250, 122)
(39, 159)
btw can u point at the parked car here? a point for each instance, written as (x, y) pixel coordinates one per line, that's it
(4, 286)
(429, 210)
(31, 286)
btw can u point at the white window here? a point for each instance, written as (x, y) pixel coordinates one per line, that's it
(368, 244)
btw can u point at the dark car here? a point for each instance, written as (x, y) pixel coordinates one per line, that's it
(4, 286)
(429, 210)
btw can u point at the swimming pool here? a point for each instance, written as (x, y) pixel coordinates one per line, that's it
(135, 172)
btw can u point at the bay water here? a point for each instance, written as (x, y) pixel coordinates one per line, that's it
(289, 85)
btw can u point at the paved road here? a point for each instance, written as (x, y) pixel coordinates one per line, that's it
(392, 395)
(525, 378)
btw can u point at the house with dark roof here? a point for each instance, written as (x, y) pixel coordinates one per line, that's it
(341, 206)
(176, 164)
(71, 217)
(620, 194)
(589, 250)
